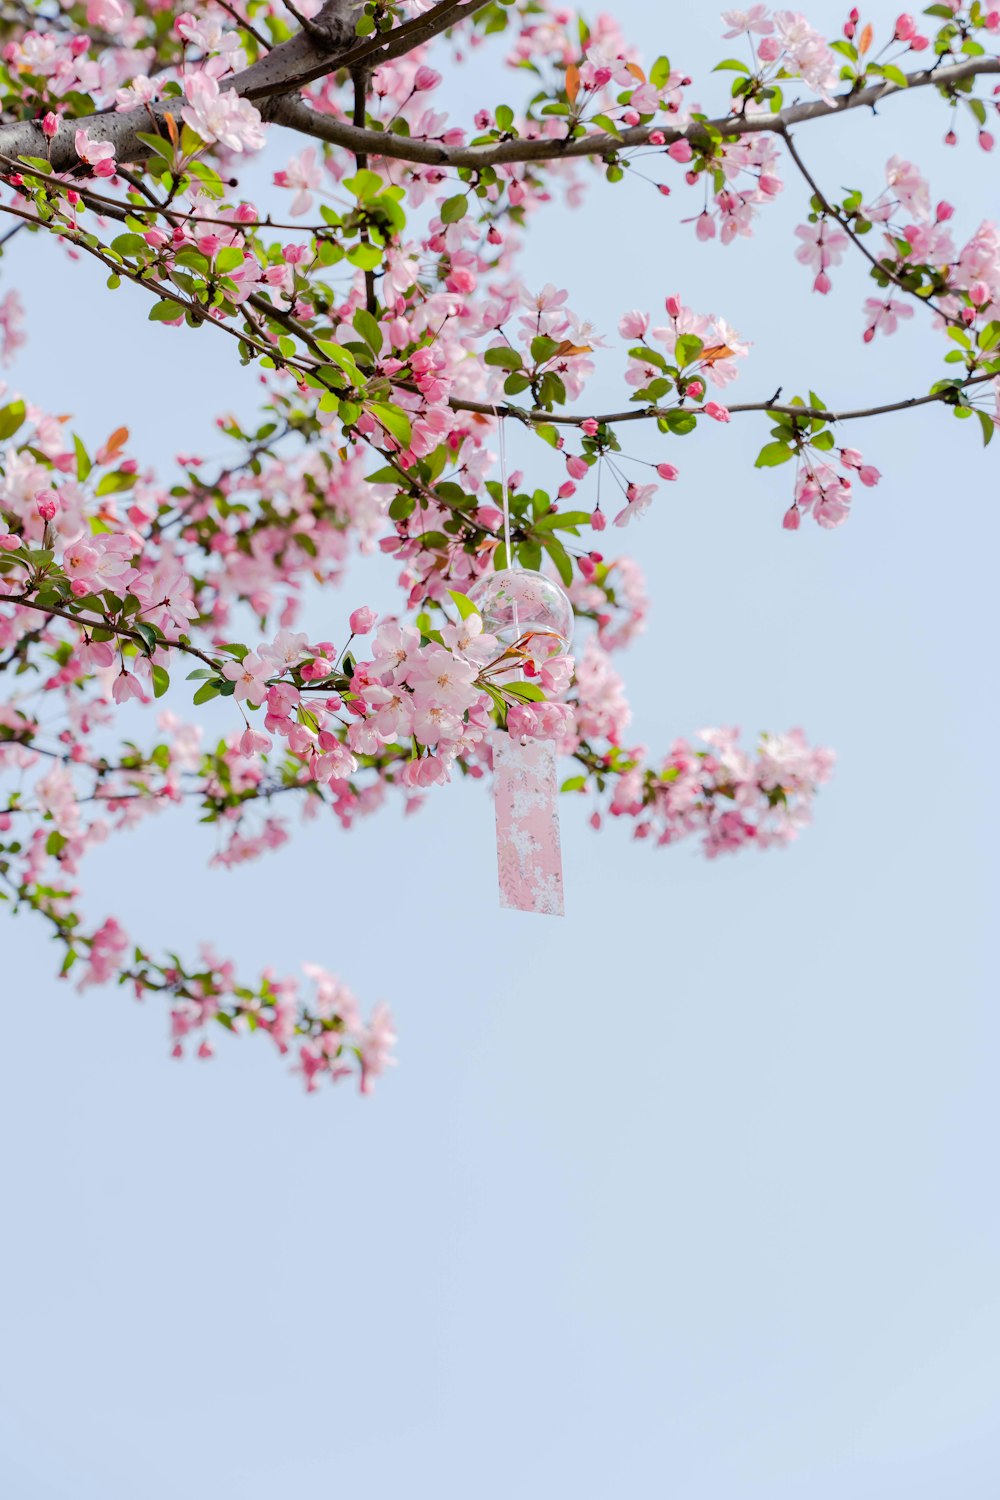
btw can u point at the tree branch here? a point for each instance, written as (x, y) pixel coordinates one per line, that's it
(648, 413)
(273, 80)
(833, 212)
(296, 115)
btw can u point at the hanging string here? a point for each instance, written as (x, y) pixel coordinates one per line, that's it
(502, 439)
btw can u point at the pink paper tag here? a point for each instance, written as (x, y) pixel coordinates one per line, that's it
(529, 859)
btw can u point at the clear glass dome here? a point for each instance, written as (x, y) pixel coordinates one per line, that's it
(519, 601)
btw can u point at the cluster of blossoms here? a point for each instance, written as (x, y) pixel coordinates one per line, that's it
(729, 798)
(394, 334)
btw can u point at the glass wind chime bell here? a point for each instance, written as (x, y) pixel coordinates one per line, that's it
(519, 603)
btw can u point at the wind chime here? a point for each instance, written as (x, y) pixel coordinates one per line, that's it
(528, 612)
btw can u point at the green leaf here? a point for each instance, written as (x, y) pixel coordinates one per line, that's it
(547, 433)
(574, 784)
(11, 418)
(543, 348)
(560, 557)
(393, 420)
(453, 209)
(772, 454)
(687, 349)
(83, 463)
(607, 125)
(112, 483)
(504, 358)
(229, 258)
(165, 312)
(527, 692)
(463, 604)
(988, 426)
(365, 256)
(130, 245)
(147, 635)
(206, 691)
(161, 681)
(369, 330)
(364, 185)
(343, 359)
(158, 144)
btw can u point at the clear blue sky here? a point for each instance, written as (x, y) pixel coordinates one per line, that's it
(692, 1194)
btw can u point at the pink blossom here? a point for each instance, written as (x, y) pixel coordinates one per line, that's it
(249, 676)
(303, 173)
(756, 20)
(221, 114)
(99, 155)
(362, 620)
(126, 686)
(425, 78)
(639, 498)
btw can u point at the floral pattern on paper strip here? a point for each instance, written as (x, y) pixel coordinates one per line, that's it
(529, 858)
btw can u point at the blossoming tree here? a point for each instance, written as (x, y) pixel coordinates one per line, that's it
(378, 292)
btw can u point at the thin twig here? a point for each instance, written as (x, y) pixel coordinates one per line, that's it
(834, 213)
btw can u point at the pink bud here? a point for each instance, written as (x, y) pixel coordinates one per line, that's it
(869, 475)
(50, 125)
(696, 388)
(906, 27)
(793, 519)
(822, 283)
(986, 140)
(598, 520)
(667, 471)
(656, 138)
(576, 466)
(590, 427)
(566, 491)
(362, 620)
(47, 504)
(951, 139)
(425, 78)
(10, 543)
(716, 412)
(680, 151)
(944, 211)
(674, 306)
